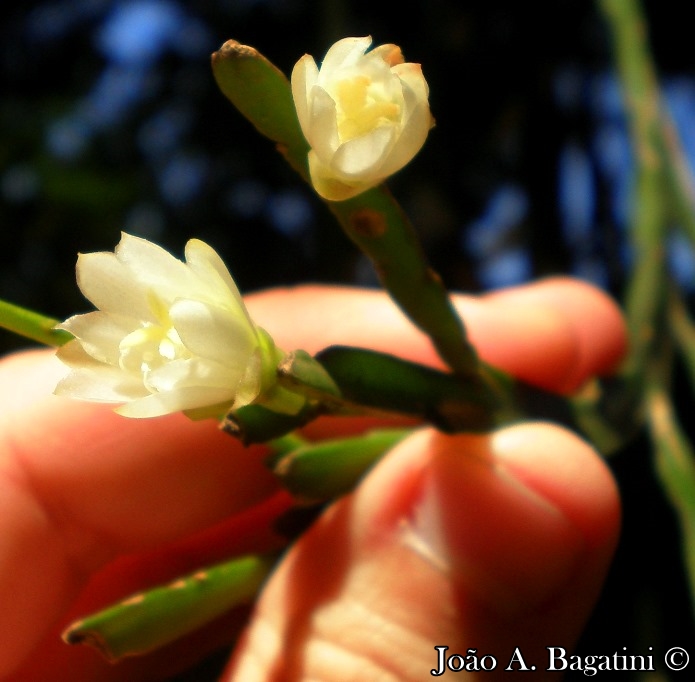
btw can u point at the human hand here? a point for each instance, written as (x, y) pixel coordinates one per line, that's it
(482, 542)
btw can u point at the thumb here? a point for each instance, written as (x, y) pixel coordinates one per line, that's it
(484, 543)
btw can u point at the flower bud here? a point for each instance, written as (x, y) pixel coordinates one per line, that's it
(168, 336)
(365, 114)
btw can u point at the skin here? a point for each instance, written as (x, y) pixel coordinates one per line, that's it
(484, 542)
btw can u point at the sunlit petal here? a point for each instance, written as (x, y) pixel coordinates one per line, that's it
(154, 267)
(100, 334)
(326, 183)
(364, 154)
(205, 262)
(209, 331)
(110, 286)
(325, 138)
(344, 53)
(304, 76)
(194, 372)
(90, 380)
(417, 123)
(389, 53)
(159, 404)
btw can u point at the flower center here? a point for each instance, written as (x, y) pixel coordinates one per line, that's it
(150, 347)
(362, 106)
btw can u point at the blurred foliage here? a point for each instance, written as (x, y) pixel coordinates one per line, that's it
(110, 119)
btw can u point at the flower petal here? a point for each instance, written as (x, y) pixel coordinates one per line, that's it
(323, 137)
(110, 286)
(211, 332)
(379, 72)
(412, 78)
(193, 372)
(155, 268)
(303, 78)
(100, 333)
(329, 187)
(416, 126)
(389, 53)
(95, 381)
(205, 262)
(203, 259)
(160, 404)
(344, 53)
(362, 157)
(249, 384)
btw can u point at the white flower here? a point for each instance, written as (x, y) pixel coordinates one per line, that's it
(167, 335)
(364, 114)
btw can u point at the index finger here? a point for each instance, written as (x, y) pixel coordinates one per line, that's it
(554, 333)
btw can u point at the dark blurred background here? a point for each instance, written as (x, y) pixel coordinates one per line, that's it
(110, 120)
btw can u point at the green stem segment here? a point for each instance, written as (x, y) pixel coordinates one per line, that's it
(261, 92)
(363, 380)
(376, 224)
(31, 325)
(646, 290)
(317, 472)
(682, 330)
(151, 619)
(675, 467)
(343, 380)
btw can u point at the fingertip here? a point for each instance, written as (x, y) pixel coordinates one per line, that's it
(568, 472)
(510, 515)
(589, 325)
(555, 333)
(595, 316)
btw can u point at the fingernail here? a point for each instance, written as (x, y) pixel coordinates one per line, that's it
(501, 541)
